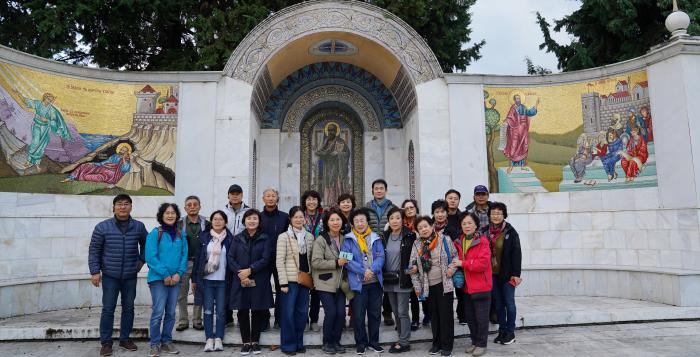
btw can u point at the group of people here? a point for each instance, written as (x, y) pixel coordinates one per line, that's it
(382, 258)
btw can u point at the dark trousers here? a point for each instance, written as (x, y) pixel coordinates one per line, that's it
(278, 292)
(476, 313)
(505, 305)
(367, 303)
(442, 315)
(415, 309)
(111, 288)
(334, 319)
(459, 295)
(386, 308)
(293, 312)
(250, 330)
(315, 307)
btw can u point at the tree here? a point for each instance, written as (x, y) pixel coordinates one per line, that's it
(532, 69)
(194, 35)
(492, 120)
(612, 31)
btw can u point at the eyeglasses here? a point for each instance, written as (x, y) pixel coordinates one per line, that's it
(409, 207)
(123, 204)
(496, 214)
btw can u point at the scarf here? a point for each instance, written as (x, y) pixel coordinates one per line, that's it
(466, 242)
(311, 223)
(427, 245)
(213, 262)
(361, 239)
(409, 224)
(300, 237)
(494, 231)
(439, 226)
(170, 229)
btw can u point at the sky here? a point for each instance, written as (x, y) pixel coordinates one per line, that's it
(511, 33)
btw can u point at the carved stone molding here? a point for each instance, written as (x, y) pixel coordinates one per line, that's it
(310, 17)
(309, 100)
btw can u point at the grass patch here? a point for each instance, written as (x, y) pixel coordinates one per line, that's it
(541, 153)
(51, 183)
(549, 175)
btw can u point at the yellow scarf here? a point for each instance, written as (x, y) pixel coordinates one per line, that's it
(361, 239)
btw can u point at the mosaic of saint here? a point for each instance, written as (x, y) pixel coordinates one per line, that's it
(331, 159)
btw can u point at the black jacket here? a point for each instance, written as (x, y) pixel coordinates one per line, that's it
(273, 224)
(511, 261)
(407, 239)
(201, 260)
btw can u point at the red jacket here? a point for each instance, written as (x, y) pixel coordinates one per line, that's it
(476, 264)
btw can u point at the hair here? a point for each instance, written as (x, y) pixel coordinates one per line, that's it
(347, 196)
(382, 181)
(161, 211)
(193, 197)
(271, 189)
(473, 216)
(393, 210)
(358, 212)
(452, 190)
(306, 195)
(499, 206)
(415, 204)
(438, 204)
(327, 217)
(423, 218)
(221, 213)
(294, 210)
(121, 197)
(250, 212)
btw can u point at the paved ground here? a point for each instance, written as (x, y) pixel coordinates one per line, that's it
(671, 338)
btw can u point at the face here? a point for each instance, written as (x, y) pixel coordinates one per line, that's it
(335, 223)
(297, 220)
(517, 99)
(170, 216)
(123, 151)
(395, 221)
(360, 223)
(311, 203)
(270, 199)
(424, 229)
(452, 200)
(252, 221)
(481, 198)
(440, 215)
(122, 209)
(496, 216)
(345, 205)
(468, 225)
(235, 198)
(379, 191)
(409, 209)
(218, 222)
(635, 132)
(192, 207)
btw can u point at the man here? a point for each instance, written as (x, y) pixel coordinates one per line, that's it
(378, 209)
(273, 222)
(480, 205)
(517, 134)
(192, 224)
(235, 208)
(116, 255)
(454, 230)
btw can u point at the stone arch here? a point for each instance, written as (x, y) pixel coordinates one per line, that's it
(248, 60)
(310, 100)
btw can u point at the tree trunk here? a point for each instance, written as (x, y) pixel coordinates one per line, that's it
(493, 174)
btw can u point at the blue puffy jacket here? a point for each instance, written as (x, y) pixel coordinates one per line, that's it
(167, 257)
(115, 253)
(356, 267)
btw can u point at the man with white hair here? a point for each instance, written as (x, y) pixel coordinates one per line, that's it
(273, 222)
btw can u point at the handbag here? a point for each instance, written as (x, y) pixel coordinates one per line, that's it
(458, 276)
(390, 277)
(303, 278)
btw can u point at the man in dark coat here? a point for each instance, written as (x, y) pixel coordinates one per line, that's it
(273, 222)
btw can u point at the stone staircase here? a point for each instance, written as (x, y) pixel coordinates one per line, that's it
(521, 179)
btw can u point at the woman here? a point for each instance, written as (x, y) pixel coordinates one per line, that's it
(432, 272)
(439, 211)
(365, 279)
(327, 271)
(505, 247)
(346, 204)
(166, 256)
(311, 203)
(210, 276)
(293, 256)
(410, 212)
(474, 252)
(251, 292)
(398, 242)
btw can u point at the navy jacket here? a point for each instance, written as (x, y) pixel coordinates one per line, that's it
(201, 260)
(115, 253)
(250, 252)
(273, 224)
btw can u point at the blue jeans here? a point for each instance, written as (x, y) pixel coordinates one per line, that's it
(294, 307)
(164, 300)
(334, 320)
(214, 292)
(505, 305)
(111, 288)
(369, 303)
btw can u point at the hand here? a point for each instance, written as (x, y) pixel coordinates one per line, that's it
(243, 273)
(414, 270)
(342, 261)
(450, 272)
(457, 263)
(194, 288)
(168, 281)
(175, 278)
(284, 289)
(417, 292)
(517, 280)
(368, 275)
(245, 282)
(96, 279)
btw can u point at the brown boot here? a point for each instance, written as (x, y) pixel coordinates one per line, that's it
(106, 350)
(128, 345)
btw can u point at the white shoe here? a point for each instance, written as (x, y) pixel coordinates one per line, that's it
(218, 345)
(209, 346)
(314, 327)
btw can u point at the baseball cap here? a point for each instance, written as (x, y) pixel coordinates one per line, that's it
(235, 189)
(481, 189)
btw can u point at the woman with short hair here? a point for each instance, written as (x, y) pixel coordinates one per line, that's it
(410, 210)
(346, 204)
(311, 207)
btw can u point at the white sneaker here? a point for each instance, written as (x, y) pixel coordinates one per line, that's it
(209, 346)
(218, 345)
(315, 327)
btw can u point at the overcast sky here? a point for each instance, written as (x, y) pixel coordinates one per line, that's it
(510, 31)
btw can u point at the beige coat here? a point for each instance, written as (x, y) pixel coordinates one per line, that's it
(288, 257)
(326, 272)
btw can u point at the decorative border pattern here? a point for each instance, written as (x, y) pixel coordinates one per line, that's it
(411, 171)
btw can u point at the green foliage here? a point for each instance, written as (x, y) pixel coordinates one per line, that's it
(181, 35)
(492, 116)
(532, 69)
(607, 31)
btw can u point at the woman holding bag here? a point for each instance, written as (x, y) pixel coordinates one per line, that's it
(293, 262)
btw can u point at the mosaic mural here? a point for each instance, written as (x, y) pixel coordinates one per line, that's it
(65, 135)
(594, 135)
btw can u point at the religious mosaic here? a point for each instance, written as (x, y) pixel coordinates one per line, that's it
(594, 135)
(65, 135)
